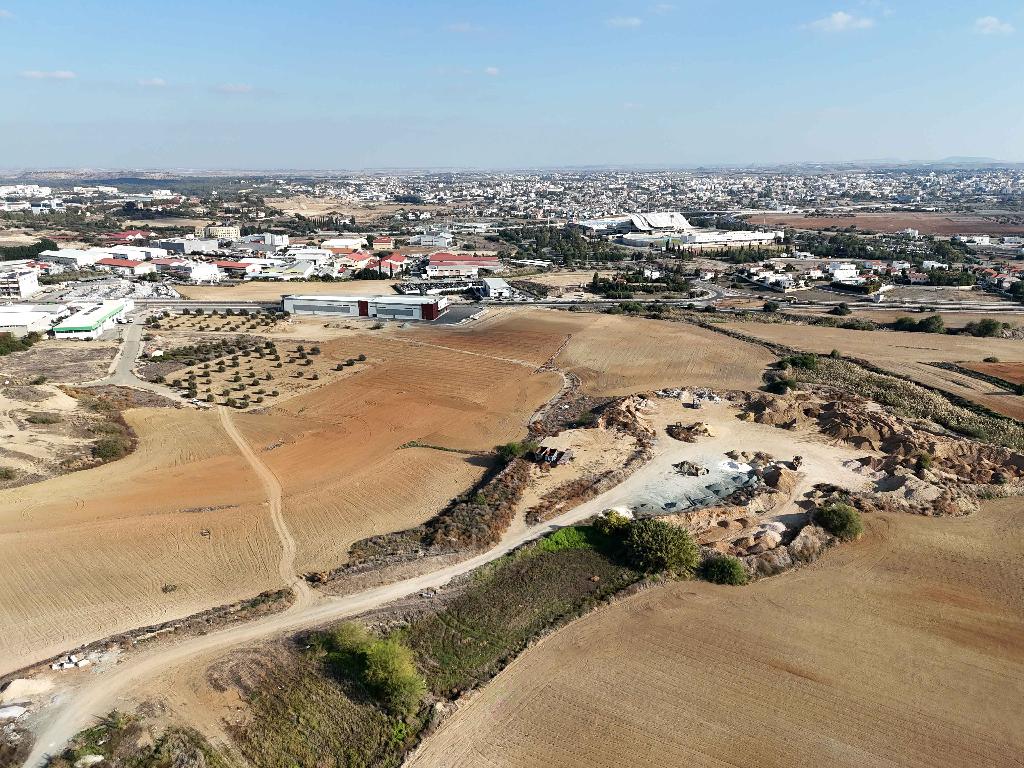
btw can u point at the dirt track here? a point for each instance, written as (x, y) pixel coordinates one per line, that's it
(903, 649)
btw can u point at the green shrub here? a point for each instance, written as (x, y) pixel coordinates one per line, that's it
(653, 545)
(985, 328)
(391, 673)
(771, 306)
(841, 310)
(571, 537)
(808, 361)
(841, 520)
(991, 360)
(725, 569)
(108, 448)
(6, 473)
(508, 452)
(612, 523)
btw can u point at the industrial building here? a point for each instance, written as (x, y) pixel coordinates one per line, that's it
(22, 319)
(669, 221)
(126, 267)
(73, 258)
(495, 288)
(384, 307)
(90, 320)
(188, 244)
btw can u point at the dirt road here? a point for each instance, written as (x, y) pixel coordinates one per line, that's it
(304, 595)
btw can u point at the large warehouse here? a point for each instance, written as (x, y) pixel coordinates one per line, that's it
(384, 307)
(91, 319)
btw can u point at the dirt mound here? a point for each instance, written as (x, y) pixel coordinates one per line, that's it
(688, 434)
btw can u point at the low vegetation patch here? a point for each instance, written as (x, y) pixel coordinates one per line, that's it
(122, 741)
(724, 569)
(841, 520)
(511, 602)
(10, 343)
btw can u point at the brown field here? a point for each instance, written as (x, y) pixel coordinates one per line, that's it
(903, 649)
(59, 361)
(87, 554)
(265, 291)
(925, 223)
(906, 354)
(1011, 372)
(614, 356)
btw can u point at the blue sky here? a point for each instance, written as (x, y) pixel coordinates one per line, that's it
(349, 84)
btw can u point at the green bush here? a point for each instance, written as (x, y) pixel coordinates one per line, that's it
(991, 360)
(6, 473)
(933, 324)
(808, 361)
(725, 570)
(653, 545)
(612, 523)
(841, 310)
(771, 306)
(108, 448)
(573, 537)
(508, 452)
(985, 328)
(841, 520)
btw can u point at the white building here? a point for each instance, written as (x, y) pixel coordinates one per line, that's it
(73, 258)
(90, 320)
(495, 288)
(136, 252)
(346, 241)
(48, 206)
(433, 240)
(21, 319)
(18, 281)
(126, 267)
(267, 238)
(188, 244)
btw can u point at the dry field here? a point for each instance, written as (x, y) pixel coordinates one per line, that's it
(87, 554)
(616, 356)
(266, 291)
(903, 649)
(925, 223)
(59, 362)
(613, 355)
(337, 451)
(1011, 372)
(907, 354)
(218, 322)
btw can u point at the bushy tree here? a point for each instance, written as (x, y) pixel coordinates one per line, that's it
(391, 672)
(654, 545)
(841, 520)
(725, 569)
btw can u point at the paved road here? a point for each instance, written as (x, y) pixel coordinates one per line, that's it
(123, 374)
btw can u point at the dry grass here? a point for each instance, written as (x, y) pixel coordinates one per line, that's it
(1009, 372)
(900, 649)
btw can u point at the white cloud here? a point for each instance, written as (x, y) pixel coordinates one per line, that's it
(990, 25)
(6, 14)
(624, 22)
(463, 28)
(57, 74)
(152, 82)
(233, 88)
(662, 8)
(841, 21)
(492, 71)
